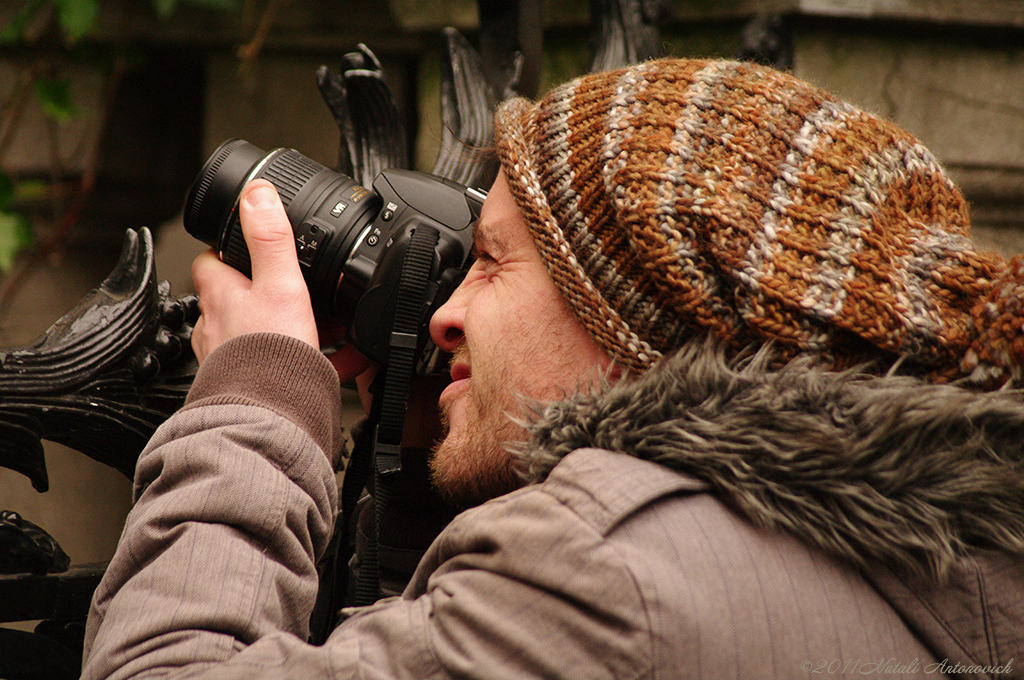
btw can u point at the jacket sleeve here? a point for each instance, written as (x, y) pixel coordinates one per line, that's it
(214, 576)
(235, 498)
(519, 587)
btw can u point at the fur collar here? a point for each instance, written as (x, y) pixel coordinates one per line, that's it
(868, 468)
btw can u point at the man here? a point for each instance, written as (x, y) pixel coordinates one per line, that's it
(712, 326)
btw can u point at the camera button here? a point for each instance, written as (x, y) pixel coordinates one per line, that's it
(307, 242)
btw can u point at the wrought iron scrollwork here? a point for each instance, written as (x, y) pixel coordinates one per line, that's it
(105, 376)
(472, 84)
(373, 134)
(767, 39)
(468, 98)
(625, 32)
(26, 548)
(100, 380)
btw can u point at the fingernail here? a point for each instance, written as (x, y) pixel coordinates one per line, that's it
(262, 197)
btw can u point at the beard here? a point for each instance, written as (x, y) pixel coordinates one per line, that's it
(474, 465)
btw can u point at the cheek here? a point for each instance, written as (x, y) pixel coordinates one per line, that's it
(553, 356)
(497, 314)
(524, 339)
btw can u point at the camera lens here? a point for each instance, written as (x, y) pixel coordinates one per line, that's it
(214, 193)
(371, 257)
(327, 211)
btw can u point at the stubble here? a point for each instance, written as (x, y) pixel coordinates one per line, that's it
(474, 465)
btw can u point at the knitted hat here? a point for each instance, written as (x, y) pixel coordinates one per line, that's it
(679, 197)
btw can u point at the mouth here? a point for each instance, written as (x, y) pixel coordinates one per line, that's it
(461, 374)
(460, 371)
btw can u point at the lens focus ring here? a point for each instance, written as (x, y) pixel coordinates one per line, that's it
(235, 252)
(206, 179)
(290, 171)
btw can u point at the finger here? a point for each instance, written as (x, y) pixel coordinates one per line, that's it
(267, 233)
(210, 274)
(198, 339)
(349, 363)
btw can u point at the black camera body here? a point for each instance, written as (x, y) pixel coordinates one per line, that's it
(355, 245)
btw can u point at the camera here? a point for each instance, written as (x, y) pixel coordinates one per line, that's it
(371, 258)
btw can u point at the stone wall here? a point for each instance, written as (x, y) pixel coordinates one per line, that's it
(962, 94)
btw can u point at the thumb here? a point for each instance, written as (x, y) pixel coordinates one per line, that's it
(268, 235)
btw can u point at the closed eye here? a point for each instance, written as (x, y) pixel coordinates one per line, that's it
(482, 255)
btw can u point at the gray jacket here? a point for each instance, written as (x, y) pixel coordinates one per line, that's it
(705, 521)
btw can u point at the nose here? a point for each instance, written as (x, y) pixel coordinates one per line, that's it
(446, 326)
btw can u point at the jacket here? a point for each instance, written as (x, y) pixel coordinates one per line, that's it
(706, 520)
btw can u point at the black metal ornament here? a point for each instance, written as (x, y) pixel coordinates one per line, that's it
(373, 134)
(104, 376)
(25, 548)
(625, 32)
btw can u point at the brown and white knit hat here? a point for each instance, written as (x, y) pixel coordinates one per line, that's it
(679, 197)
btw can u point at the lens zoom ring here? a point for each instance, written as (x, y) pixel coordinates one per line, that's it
(235, 252)
(289, 172)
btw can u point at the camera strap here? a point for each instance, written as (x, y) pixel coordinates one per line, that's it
(412, 290)
(378, 449)
(387, 441)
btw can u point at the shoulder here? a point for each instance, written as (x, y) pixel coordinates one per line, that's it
(605, 487)
(534, 570)
(581, 502)
(703, 581)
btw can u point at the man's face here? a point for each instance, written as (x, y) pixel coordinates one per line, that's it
(512, 335)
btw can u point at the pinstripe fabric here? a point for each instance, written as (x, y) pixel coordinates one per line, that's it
(234, 501)
(612, 567)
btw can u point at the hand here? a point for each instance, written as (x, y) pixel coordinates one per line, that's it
(275, 300)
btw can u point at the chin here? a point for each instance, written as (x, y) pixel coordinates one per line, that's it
(471, 470)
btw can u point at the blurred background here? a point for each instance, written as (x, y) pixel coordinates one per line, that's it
(110, 107)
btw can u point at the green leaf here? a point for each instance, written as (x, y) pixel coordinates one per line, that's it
(15, 236)
(54, 95)
(77, 17)
(224, 5)
(165, 8)
(30, 190)
(6, 191)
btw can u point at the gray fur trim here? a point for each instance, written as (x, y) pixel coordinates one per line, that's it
(885, 468)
